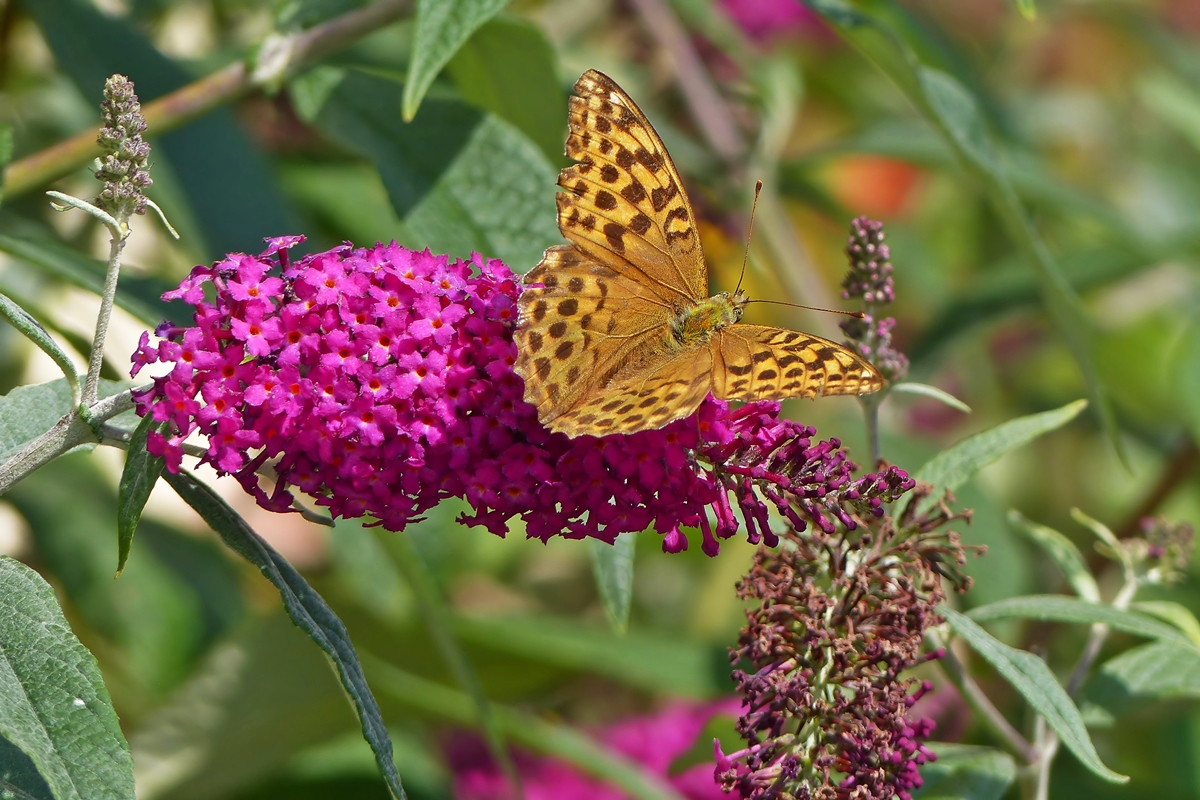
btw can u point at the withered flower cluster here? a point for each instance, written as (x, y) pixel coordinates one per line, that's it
(837, 618)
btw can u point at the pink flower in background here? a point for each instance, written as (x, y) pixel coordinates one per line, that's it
(765, 19)
(655, 742)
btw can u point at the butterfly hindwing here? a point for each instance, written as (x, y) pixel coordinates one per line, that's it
(579, 323)
(759, 362)
(644, 396)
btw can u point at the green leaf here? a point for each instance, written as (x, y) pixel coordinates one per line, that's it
(956, 465)
(946, 103)
(1174, 102)
(1030, 676)
(1062, 608)
(19, 775)
(1159, 671)
(925, 390)
(24, 322)
(558, 741)
(463, 181)
(1173, 613)
(153, 621)
(141, 297)
(966, 772)
(1062, 552)
(137, 481)
(613, 567)
(29, 411)
(442, 27)
(53, 704)
(1028, 9)
(509, 68)
(496, 199)
(308, 611)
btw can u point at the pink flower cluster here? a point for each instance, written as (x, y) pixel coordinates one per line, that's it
(655, 742)
(379, 381)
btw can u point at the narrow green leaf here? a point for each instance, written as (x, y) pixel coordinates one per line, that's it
(1062, 608)
(924, 389)
(558, 741)
(1062, 552)
(308, 611)
(1028, 9)
(510, 69)
(53, 704)
(956, 465)
(442, 27)
(32, 330)
(966, 772)
(1109, 545)
(1030, 676)
(612, 565)
(1173, 613)
(137, 481)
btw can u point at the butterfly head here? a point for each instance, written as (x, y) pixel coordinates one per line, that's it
(738, 301)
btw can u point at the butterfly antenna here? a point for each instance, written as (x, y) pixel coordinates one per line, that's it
(855, 314)
(749, 233)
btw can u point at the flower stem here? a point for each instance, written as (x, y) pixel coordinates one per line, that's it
(91, 384)
(70, 431)
(991, 717)
(1096, 639)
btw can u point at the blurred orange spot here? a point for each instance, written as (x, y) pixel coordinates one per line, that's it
(876, 186)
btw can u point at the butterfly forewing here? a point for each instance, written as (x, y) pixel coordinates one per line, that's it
(758, 362)
(624, 203)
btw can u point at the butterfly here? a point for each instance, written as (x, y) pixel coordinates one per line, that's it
(616, 331)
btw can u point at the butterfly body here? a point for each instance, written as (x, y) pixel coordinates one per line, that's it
(697, 323)
(616, 332)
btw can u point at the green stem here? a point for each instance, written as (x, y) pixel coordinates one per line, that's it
(1096, 639)
(526, 730)
(91, 385)
(437, 620)
(196, 99)
(70, 431)
(987, 713)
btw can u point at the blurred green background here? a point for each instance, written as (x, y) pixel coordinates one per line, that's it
(1092, 111)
